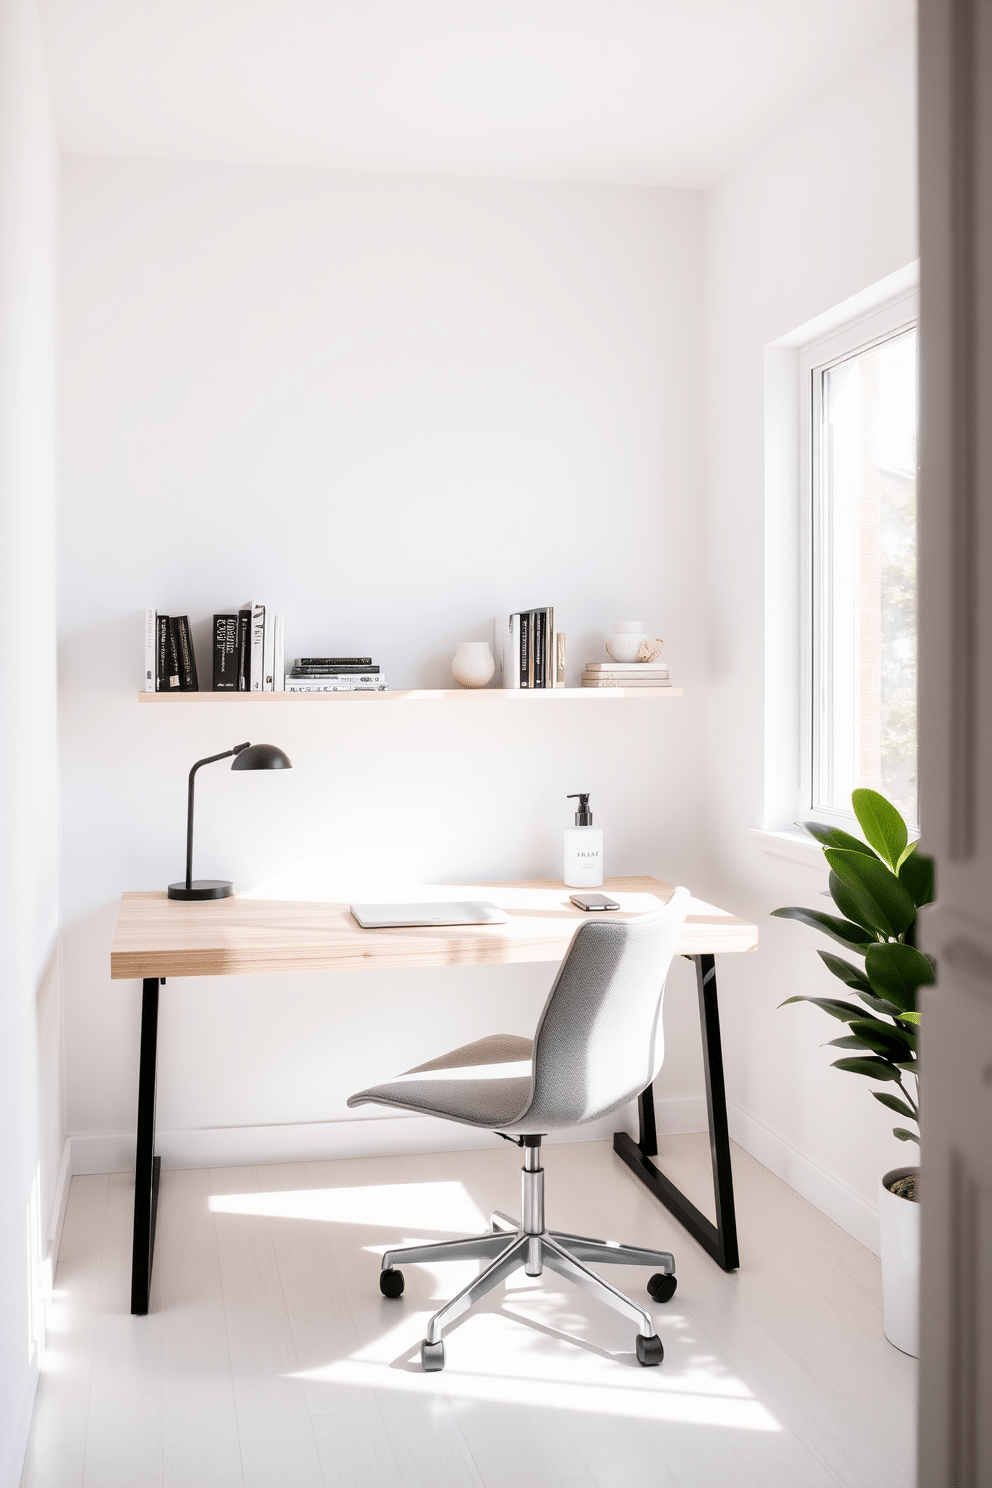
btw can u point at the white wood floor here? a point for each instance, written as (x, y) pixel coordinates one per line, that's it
(270, 1359)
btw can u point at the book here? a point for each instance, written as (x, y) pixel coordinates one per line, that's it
(181, 653)
(164, 671)
(560, 659)
(374, 676)
(151, 651)
(226, 653)
(524, 658)
(644, 671)
(257, 646)
(268, 653)
(627, 666)
(337, 662)
(342, 669)
(626, 682)
(296, 684)
(279, 654)
(244, 648)
(540, 623)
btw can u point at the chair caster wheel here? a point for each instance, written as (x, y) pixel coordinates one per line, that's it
(662, 1287)
(391, 1282)
(649, 1350)
(432, 1356)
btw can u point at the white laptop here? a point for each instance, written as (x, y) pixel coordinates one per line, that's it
(393, 916)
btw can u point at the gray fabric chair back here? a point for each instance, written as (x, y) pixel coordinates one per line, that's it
(600, 1041)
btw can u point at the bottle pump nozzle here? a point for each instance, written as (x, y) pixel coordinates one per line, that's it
(583, 817)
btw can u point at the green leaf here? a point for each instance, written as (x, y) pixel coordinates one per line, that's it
(852, 937)
(849, 906)
(904, 1135)
(845, 1011)
(875, 1069)
(910, 1018)
(890, 1042)
(852, 976)
(881, 824)
(879, 1005)
(834, 837)
(894, 1104)
(909, 1065)
(897, 971)
(916, 876)
(851, 1042)
(882, 902)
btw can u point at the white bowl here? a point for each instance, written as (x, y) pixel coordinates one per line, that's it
(625, 647)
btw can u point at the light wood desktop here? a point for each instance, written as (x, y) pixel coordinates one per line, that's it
(156, 938)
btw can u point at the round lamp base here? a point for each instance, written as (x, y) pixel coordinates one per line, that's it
(202, 888)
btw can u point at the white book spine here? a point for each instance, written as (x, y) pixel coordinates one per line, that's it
(279, 660)
(513, 653)
(258, 648)
(294, 686)
(269, 653)
(501, 650)
(151, 648)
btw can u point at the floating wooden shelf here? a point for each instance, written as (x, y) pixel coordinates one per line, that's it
(528, 697)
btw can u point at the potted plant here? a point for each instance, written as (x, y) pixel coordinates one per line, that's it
(878, 886)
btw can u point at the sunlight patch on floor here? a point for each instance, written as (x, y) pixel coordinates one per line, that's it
(496, 1359)
(434, 1206)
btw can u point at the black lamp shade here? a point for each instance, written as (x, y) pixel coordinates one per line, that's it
(261, 757)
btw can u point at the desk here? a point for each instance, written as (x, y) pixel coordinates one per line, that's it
(157, 937)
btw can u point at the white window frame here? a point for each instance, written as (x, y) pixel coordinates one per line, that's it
(900, 314)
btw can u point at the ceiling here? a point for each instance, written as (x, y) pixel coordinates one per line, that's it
(661, 92)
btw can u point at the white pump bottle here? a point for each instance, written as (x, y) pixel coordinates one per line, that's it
(583, 849)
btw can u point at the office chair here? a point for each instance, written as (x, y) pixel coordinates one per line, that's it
(599, 1043)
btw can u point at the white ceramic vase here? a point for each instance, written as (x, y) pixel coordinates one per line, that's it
(899, 1224)
(473, 665)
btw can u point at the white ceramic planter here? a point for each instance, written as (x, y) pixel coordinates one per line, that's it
(473, 665)
(899, 1223)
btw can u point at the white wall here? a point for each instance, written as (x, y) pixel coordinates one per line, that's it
(389, 407)
(30, 1053)
(824, 209)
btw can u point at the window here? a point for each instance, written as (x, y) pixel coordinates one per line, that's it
(861, 392)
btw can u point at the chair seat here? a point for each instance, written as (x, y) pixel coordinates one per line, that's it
(467, 1086)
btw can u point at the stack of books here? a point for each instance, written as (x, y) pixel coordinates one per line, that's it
(249, 650)
(528, 652)
(170, 663)
(335, 674)
(626, 674)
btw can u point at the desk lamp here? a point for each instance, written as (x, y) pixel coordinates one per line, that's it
(246, 757)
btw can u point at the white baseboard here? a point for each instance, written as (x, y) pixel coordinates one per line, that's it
(833, 1198)
(378, 1136)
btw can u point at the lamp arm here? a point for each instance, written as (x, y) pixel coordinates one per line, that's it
(210, 759)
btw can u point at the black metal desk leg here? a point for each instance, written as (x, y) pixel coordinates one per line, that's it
(146, 1164)
(719, 1240)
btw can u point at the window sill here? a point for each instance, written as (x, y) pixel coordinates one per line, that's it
(796, 846)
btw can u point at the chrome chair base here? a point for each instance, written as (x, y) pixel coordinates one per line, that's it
(508, 1247)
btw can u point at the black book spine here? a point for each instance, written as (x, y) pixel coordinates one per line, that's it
(335, 663)
(225, 653)
(184, 654)
(175, 671)
(343, 670)
(539, 634)
(524, 650)
(162, 654)
(244, 650)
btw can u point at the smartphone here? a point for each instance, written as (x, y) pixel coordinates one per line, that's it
(593, 901)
